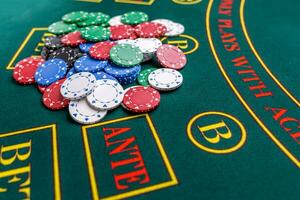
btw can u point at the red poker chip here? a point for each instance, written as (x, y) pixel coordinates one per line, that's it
(140, 99)
(52, 98)
(101, 50)
(150, 30)
(73, 39)
(171, 56)
(42, 88)
(120, 32)
(25, 69)
(133, 36)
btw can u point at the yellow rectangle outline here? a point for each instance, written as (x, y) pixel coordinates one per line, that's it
(25, 41)
(95, 192)
(139, 3)
(57, 192)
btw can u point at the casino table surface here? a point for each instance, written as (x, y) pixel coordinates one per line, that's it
(231, 131)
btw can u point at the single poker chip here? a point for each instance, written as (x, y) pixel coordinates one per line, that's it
(143, 76)
(171, 56)
(85, 47)
(150, 30)
(95, 33)
(119, 72)
(52, 98)
(126, 41)
(41, 88)
(72, 39)
(25, 69)
(126, 55)
(141, 99)
(60, 27)
(88, 64)
(75, 17)
(94, 18)
(68, 54)
(120, 32)
(103, 75)
(78, 86)
(134, 17)
(71, 72)
(107, 95)
(176, 29)
(53, 42)
(166, 22)
(45, 53)
(81, 112)
(165, 79)
(50, 71)
(116, 20)
(148, 45)
(101, 50)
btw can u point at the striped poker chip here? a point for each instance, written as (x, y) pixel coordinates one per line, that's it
(150, 30)
(140, 99)
(88, 64)
(25, 69)
(107, 95)
(101, 50)
(81, 112)
(171, 56)
(126, 55)
(165, 79)
(119, 32)
(78, 86)
(72, 39)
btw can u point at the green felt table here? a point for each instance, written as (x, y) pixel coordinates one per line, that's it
(231, 131)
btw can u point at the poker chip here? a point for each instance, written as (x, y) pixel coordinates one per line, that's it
(126, 55)
(148, 46)
(25, 69)
(88, 64)
(119, 32)
(85, 47)
(116, 20)
(108, 94)
(103, 75)
(171, 56)
(81, 112)
(53, 42)
(143, 76)
(101, 50)
(52, 98)
(165, 79)
(150, 30)
(60, 27)
(72, 39)
(71, 72)
(94, 18)
(176, 29)
(166, 22)
(75, 17)
(68, 54)
(50, 71)
(41, 88)
(141, 99)
(95, 33)
(119, 72)
(134, 17)
(126, 41)
(78, 86)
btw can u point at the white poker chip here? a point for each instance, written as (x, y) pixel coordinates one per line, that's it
(108, 94)
(148, 45)
(176, 29)
(116, 20)
(78, 86)
(81, 112)
(165, 79)
(126, 41)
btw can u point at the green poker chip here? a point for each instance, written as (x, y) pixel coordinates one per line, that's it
(60, 27)
(95, 33)
(126, 55)
(134, 18)
(143, 76)
(74, 17)
(95, 18)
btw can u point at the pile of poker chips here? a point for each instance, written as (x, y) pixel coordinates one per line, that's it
(91, 57)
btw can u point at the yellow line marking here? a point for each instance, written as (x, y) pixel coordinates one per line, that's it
(90, 1)
(275, 140)
(260, 59)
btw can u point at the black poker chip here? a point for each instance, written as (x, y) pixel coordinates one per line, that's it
(53, 42)
(68, 54)
(46, 52)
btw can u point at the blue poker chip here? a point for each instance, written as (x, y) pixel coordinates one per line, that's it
(119, 72)
(71, 72)
(103, 75)
(85, 48)
(50, 71)
(88, 64)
